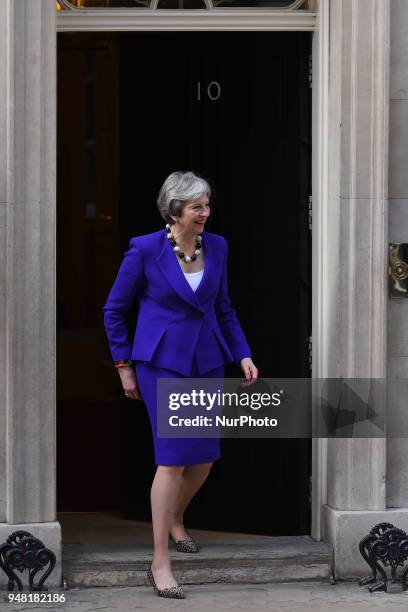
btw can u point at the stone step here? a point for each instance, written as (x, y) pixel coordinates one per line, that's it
(240, 559)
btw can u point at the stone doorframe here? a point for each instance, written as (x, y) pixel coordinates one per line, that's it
(350, 185)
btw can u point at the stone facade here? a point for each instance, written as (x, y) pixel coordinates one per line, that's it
(397, 353)
(27, 272)
(352, 106)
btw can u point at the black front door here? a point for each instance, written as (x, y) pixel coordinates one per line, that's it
(234, 107)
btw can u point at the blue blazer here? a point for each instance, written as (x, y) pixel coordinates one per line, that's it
(175, 324)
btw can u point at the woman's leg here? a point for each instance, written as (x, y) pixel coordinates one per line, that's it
(193, 477)
(164, 493)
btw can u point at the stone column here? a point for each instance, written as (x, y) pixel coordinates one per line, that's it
(356, 467)
(397, 448)
(359, 96)
(27, 272)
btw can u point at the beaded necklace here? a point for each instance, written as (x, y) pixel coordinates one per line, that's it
(177, 249)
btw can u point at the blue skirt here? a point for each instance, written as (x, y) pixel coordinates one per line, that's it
(175, 451)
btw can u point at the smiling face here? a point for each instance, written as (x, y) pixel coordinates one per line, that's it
(194, 215)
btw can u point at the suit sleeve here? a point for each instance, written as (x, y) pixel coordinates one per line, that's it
(128, 283)
(227, 317)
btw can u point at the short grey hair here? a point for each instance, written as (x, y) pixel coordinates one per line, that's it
(178, 188)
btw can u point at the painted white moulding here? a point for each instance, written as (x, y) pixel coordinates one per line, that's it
(113, 20)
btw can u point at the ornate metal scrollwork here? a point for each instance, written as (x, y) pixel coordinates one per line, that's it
(80, 5)
(387, 545)
(22, 551)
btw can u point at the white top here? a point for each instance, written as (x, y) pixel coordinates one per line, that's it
(194, 278)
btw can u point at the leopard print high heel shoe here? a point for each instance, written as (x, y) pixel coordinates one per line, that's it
(174, 592)
(186, 546)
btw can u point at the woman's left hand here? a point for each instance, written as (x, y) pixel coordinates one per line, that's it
(249, 369)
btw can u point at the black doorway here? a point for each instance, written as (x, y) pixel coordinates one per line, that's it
(236, 108)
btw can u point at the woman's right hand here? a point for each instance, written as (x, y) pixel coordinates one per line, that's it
(129, 383)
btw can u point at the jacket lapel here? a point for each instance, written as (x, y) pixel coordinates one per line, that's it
(173, 273)
(212, 269)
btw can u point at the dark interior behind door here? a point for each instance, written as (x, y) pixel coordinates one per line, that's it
(234, 107)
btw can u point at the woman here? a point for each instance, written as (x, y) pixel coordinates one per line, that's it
(186, 328)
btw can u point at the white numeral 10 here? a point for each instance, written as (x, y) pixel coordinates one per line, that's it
(213, 90)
